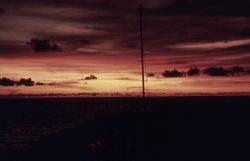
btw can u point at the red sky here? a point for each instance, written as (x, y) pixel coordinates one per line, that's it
(101, 38)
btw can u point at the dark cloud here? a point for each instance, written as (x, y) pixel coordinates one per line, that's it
(237, 8)
(150, 75)
(91, 77)
(6, 82)
(40, 45)
(210, 71)
(237, 70)
(172, 73)
(22, 82)
(26, 82)
(193, 72)
(215, 71)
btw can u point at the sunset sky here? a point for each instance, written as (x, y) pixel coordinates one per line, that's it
(101, 38)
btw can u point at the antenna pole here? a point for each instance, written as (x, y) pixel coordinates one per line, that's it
(142, 51)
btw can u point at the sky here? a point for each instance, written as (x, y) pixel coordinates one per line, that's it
(101, 38)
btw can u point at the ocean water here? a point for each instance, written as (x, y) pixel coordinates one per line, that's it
(24, 122)
(198, 128)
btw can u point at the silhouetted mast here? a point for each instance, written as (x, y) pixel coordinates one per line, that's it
(142, 50)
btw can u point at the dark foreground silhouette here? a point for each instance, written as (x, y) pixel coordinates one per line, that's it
(131, 129)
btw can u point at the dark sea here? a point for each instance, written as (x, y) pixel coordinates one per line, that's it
(123, 129)
(24, 121)
(23, 125)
